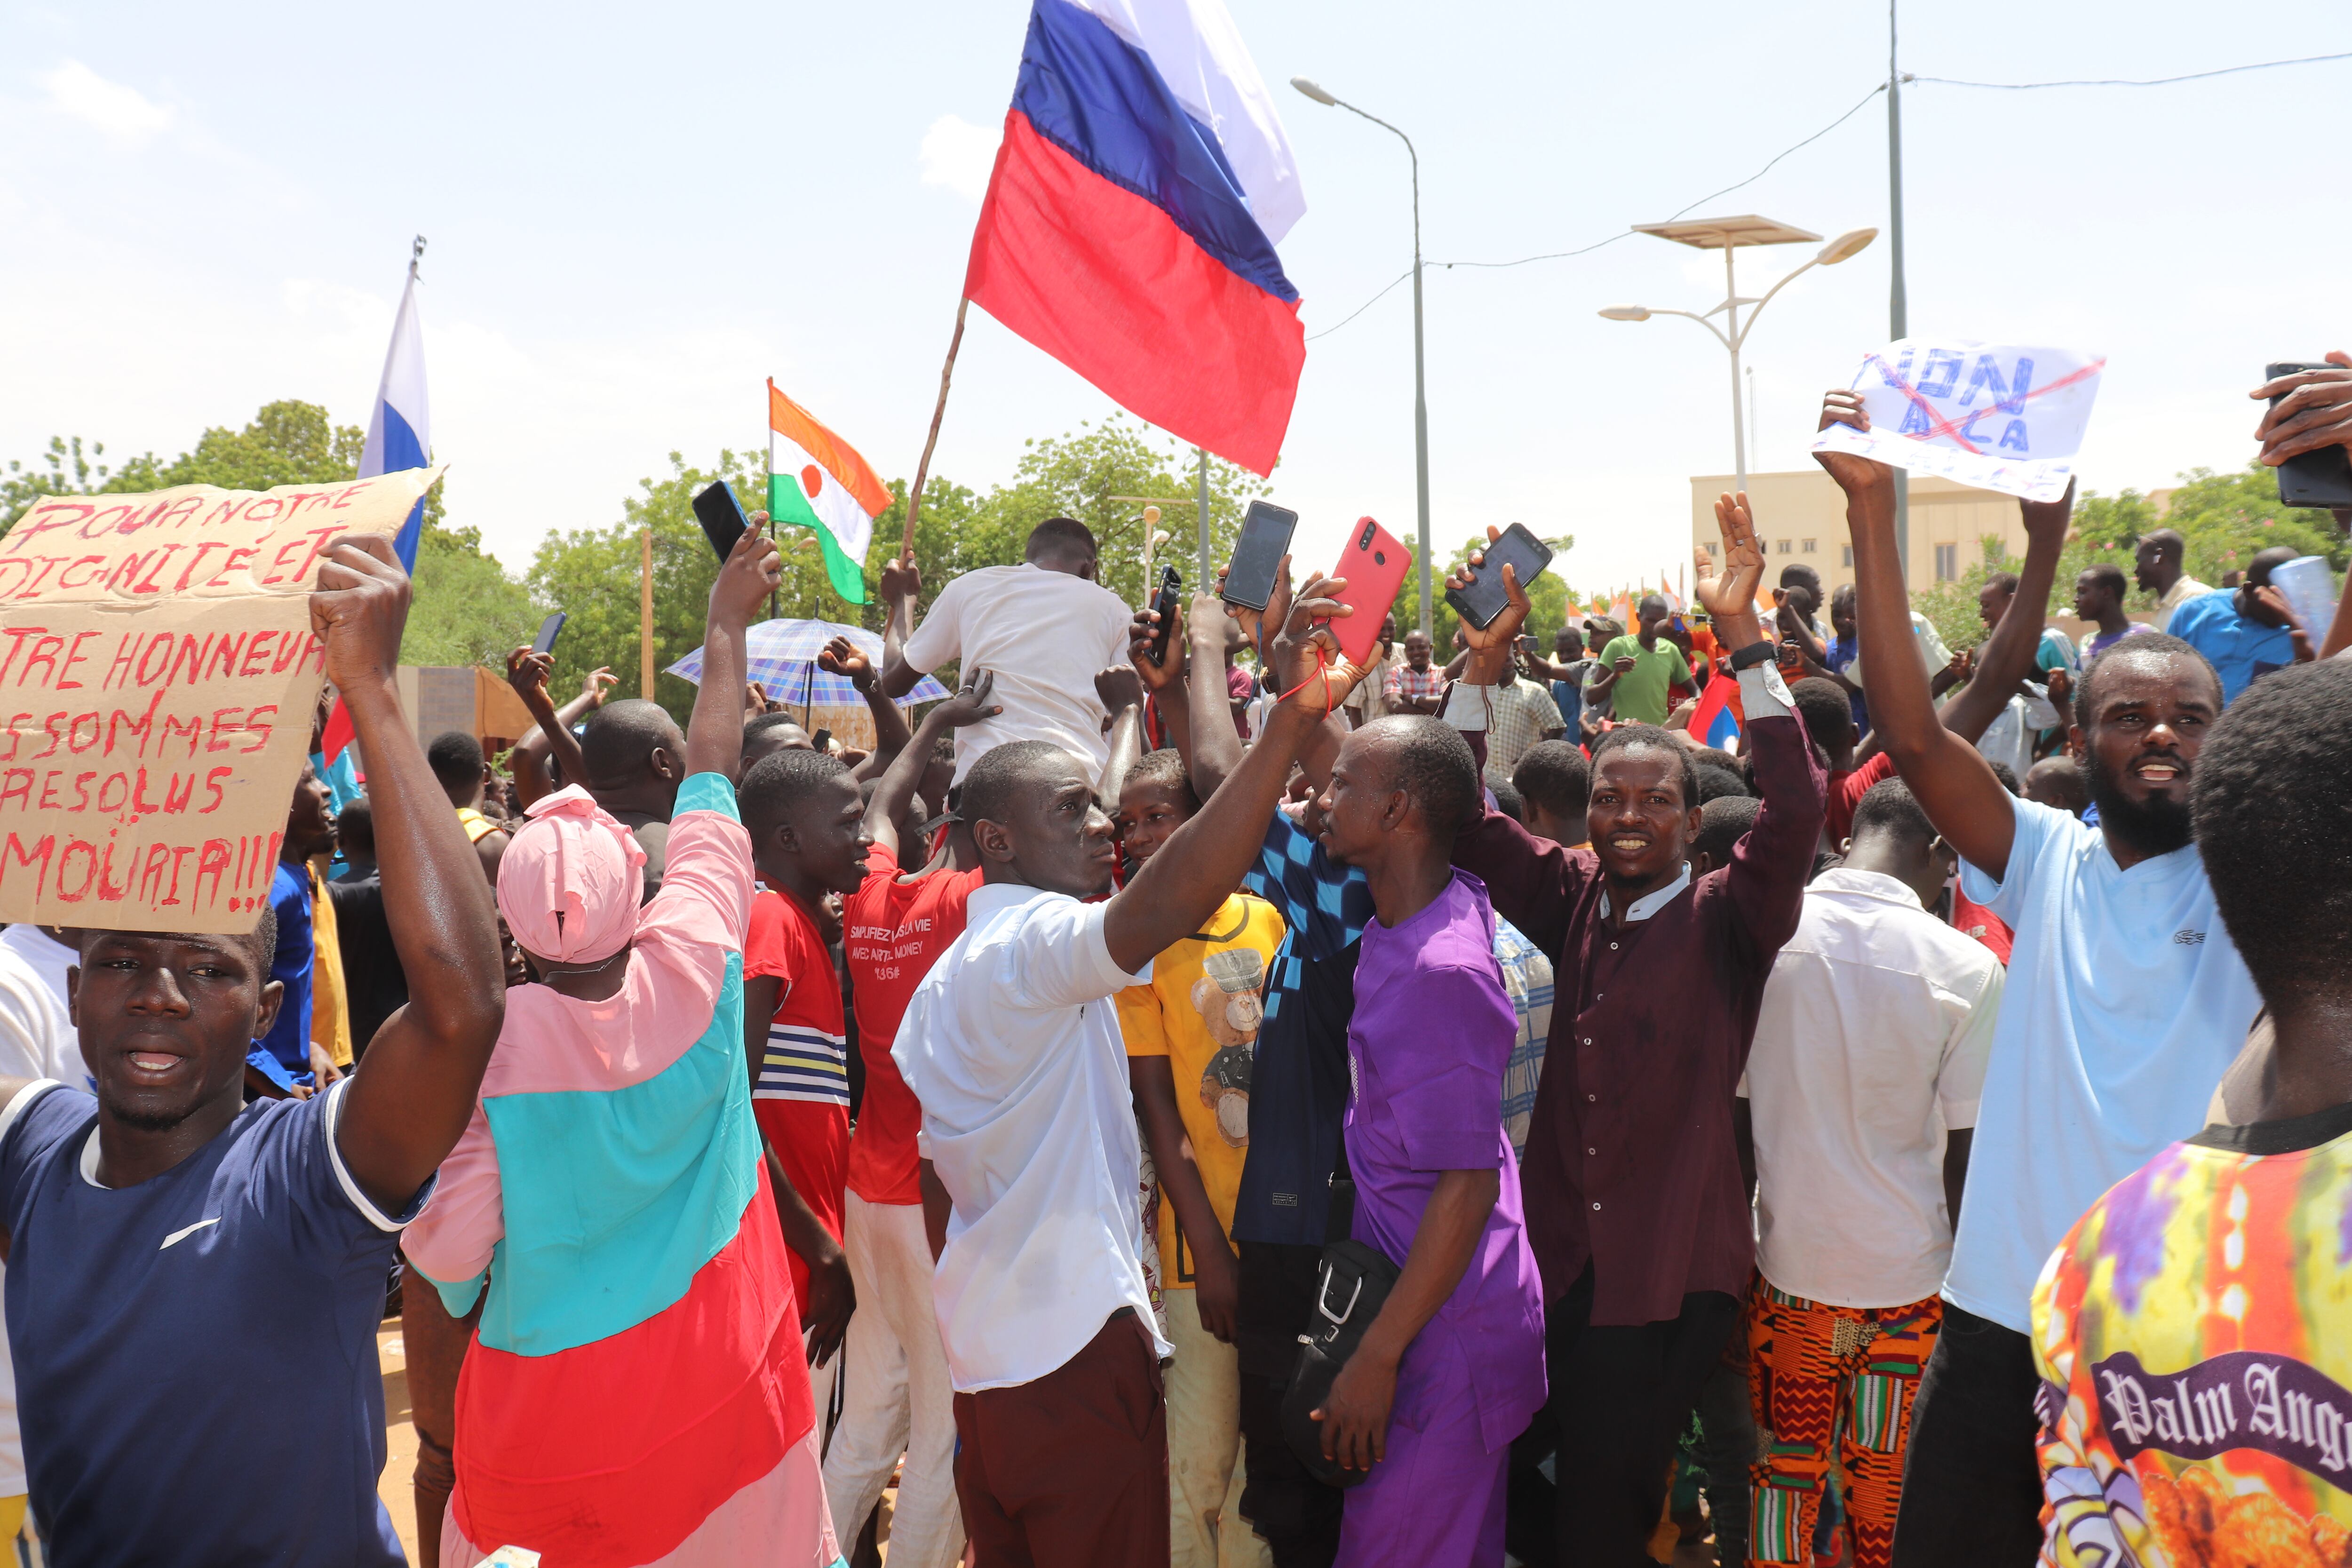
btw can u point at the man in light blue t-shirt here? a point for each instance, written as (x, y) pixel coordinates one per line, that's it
(2124, 1003)
(2239, 634)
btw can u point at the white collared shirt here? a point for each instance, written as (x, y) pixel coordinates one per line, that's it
(1012, 1046)
(1871, 1043)
(1650, 903)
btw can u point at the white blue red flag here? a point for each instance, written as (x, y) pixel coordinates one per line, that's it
(400, 431)
(1131, 223)
(400, 435)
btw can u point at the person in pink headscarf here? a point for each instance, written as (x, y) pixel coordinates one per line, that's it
(636, 1392)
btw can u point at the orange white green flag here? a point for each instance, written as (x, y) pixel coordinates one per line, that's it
(816, 480)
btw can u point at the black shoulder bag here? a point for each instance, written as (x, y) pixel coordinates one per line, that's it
(1356, 1280)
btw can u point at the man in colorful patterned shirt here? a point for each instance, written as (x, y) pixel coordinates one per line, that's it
(2193, 1332)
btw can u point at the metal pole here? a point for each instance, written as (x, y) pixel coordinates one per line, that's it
(1898, 303)
(1731, 322)
(1420, 397)
(1200, 524)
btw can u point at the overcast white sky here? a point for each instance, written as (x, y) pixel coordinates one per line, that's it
(636, 214)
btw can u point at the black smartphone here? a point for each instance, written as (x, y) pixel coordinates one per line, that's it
(1484, 599)
(1171, 584)
(1265, 540)
(548, 629)
(2320, 478)
(721, 516)
(822, 741)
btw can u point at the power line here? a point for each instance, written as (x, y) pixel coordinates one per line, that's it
(1596, 245)
(2121, 81)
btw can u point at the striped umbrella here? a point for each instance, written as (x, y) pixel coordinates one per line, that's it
(782, 656)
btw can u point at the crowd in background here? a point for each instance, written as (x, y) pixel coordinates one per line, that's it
(1196, 1098)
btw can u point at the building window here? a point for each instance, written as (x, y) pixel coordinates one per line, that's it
(1812, 547)
(1846, 556)
(1948, 563)
(1784, 546)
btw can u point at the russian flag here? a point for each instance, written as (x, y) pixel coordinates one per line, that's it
(400, 435)
(400, 431)
(1130, 222)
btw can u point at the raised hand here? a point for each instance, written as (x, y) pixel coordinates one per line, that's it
(526, 673)
(1119, 687)
(1308, 669)
(901, 578)
(592, 686)
(1730, 595)
(1168, 670)
(1498, 632)
(752, 572)
(2049, 518)
(2314, 410)
(1853, 474)
(359, 607)
(841, 657)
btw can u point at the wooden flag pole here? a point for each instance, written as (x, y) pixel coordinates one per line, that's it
(938, 412)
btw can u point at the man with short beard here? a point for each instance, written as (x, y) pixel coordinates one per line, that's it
(2126, 1001)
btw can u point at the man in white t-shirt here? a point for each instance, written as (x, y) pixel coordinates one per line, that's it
(1862, 1088)
(1028, 1150)
(2124, 1002)
(1044, 628)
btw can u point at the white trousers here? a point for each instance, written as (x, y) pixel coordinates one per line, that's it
(1205, 1447)
(895, 1396)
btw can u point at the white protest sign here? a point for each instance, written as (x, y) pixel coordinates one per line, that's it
(2000, 417)
(158, 674)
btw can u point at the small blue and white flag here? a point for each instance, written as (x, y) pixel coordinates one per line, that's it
(400, 431)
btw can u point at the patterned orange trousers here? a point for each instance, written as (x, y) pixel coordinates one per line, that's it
(1828, 1381)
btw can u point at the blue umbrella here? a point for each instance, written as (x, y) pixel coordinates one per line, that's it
(782, 656)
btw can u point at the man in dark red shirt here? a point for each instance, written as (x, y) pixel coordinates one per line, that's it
(1635, 1206)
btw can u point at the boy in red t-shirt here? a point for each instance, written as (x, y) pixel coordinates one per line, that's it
(898, 1394)
(806, 820)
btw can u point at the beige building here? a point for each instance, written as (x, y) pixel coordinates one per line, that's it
(1801, 518)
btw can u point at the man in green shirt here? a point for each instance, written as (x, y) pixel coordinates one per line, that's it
(1641, 671)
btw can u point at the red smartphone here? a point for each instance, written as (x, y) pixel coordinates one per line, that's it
(1374, 564)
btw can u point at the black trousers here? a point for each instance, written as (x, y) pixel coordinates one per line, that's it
(1296, 1515)
(1620, 1396)
(1971, 1480)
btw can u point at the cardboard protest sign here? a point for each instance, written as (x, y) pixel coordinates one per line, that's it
(158, 674)
(1996, 416)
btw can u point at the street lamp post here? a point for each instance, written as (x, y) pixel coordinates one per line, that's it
(1728, 235)
(1419, 394)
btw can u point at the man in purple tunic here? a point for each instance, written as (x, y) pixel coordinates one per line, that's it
(1452, 1369)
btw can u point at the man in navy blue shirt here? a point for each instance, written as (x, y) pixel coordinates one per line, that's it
(196, 1282)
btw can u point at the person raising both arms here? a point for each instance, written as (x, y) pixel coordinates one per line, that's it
(2126, 1000)
(176, 1207)
(1636, 1210)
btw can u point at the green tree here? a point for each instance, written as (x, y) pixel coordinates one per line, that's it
(465, 609)
(1077, 474)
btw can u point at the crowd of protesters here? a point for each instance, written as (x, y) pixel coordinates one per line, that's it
(1165, 1110)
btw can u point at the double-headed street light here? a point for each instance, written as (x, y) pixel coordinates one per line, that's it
(1728, 235)
(1420, 399)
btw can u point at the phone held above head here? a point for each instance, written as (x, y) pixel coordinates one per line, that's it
(548, 629)
(1482, 599)
(1265, 540)
(721, 516)
(2321, 477)
(1374, 565)
(1163, 605)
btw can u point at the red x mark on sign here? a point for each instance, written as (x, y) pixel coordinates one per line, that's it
(1938, 425)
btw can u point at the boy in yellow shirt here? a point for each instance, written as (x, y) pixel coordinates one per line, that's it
(1192, 1034)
